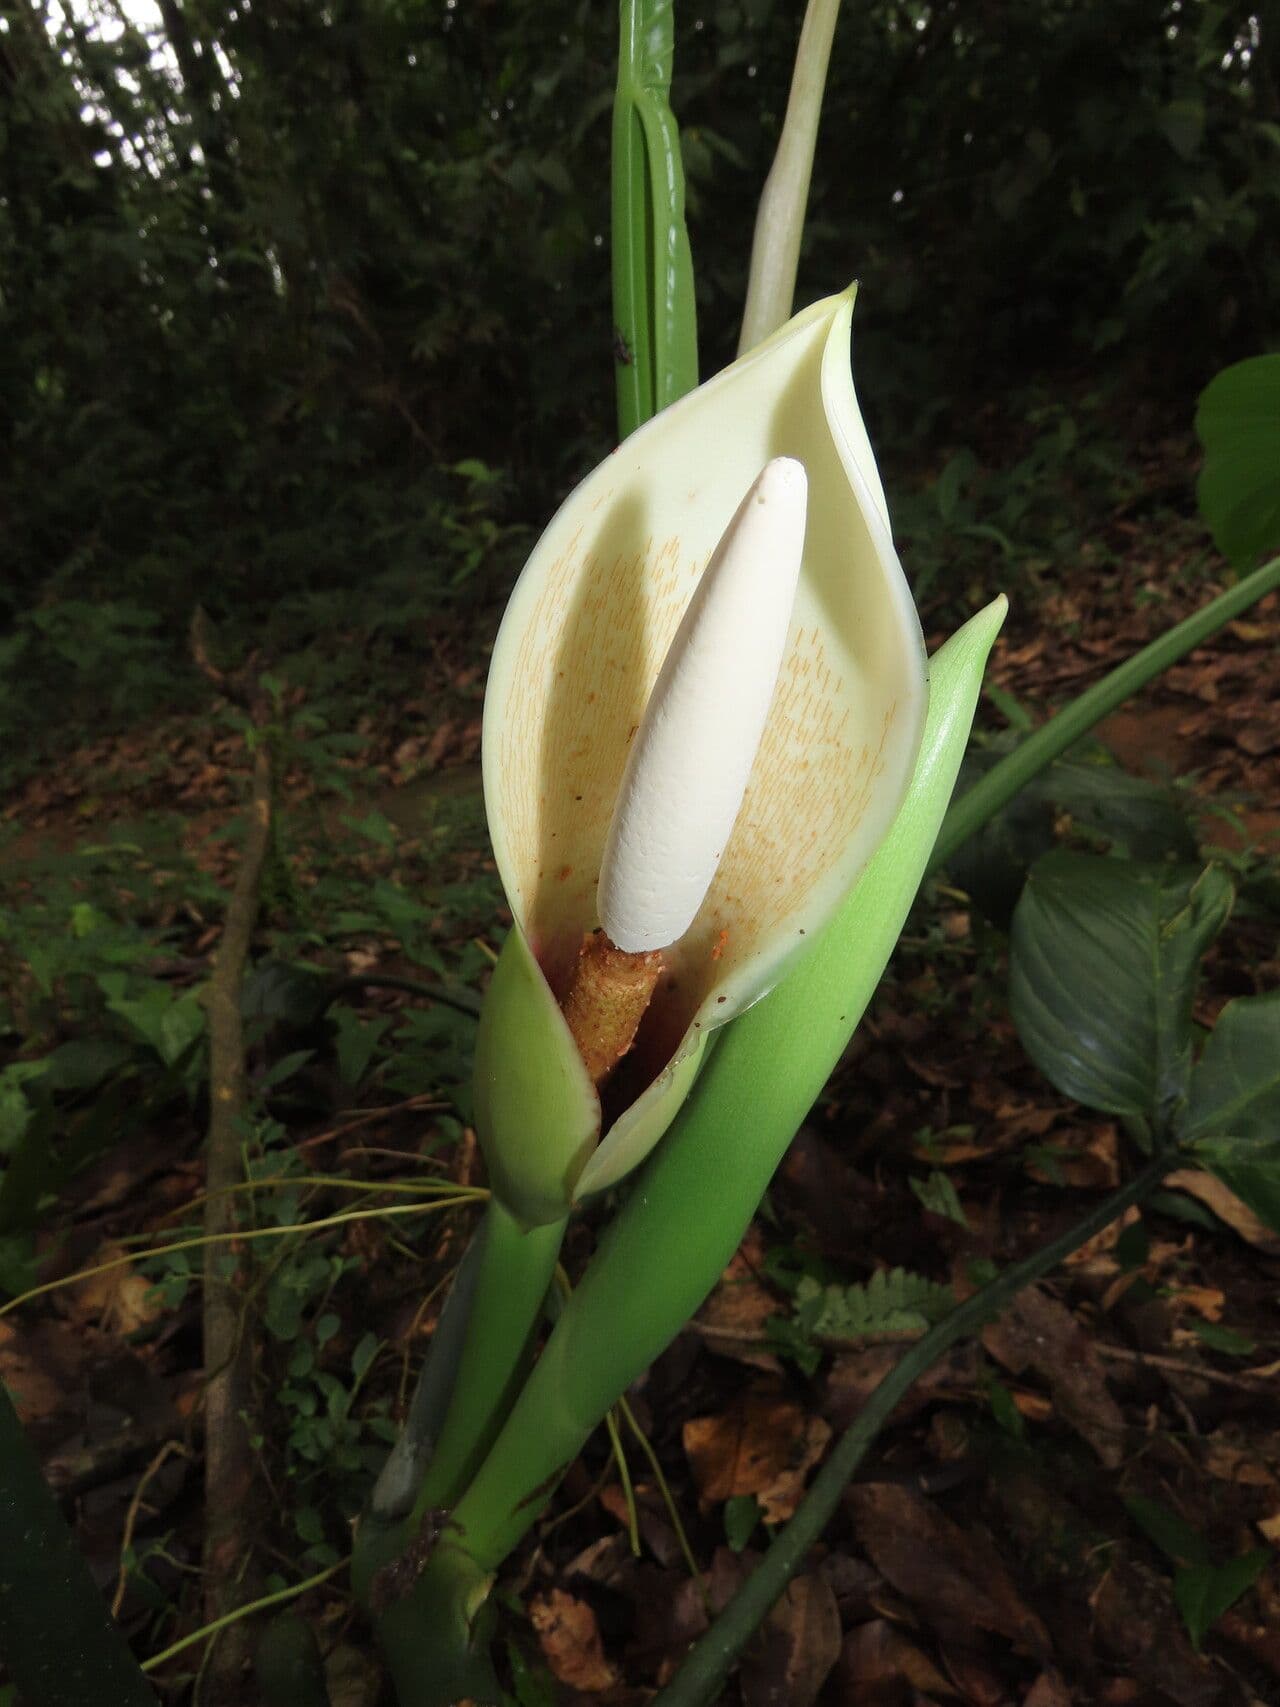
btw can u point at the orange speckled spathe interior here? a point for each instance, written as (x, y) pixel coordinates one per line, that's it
(590, 626)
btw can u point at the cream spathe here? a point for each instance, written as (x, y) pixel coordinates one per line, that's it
(579, 654)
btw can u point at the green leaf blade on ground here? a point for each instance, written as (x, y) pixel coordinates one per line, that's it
(1204, 1592)
(1238, 423)
(1103, 963)
(1233, 1116)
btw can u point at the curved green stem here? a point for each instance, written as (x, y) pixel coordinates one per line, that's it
(516, 1268)
(478, 1358)
(998, 787)
(707, 1664)
(60, 1644)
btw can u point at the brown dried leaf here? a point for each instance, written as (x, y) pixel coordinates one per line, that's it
(121, 1300)
(951, 1575)
(762, 1444)
(734, 1316)
(877, 1659)
(1037, 1332)
(790, 1658)
(1135, 1620)
(1093, 1259)
(1237, 1461)
(1089, 1159)
(26, 1370)
(1048, 1690)
(570, 1640)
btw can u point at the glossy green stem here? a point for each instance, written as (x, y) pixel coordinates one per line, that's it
(655, 323)
(60, 1645)
(703, 1672)
(1004, 780)
(478, 1357)
(516, 1270)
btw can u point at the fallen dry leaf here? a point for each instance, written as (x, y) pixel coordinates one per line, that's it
(1093, 1259)
(1208, 1189)
(952, 1576)
(43, 1368)
(1235, 1461)
(1135, 1619)
(1089, 1159)
(792, 1654)
(121, 1300)
(762, 1444)
(570, 1640)
(1037, 1332)
(877, 1659)
(734, 1316)
(1048, 1690)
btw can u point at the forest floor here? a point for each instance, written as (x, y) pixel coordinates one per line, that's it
(1039, 1514)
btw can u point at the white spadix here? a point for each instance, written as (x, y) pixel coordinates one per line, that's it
(692, 756)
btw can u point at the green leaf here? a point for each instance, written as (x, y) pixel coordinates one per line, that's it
(1204, 1592)
(1234, 1111)
(1225, 1340)
(1235, 1088)
(1238, 422)
(741, 1515)
(1103, 963)
(356, 1042)
(892, 1302)
(1182, 122)
(364, 1354)
(939, 1197)
(1172, 1534)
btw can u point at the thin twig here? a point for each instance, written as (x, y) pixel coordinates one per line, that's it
(1246, 1380)
(131, 1518)
(198, 1241)
(646, 1446)
(245, 1611)
(624, 1476)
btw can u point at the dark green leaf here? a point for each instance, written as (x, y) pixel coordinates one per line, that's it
(939, 1197)
(1205, 1592)
(1103, 964)
(1235, 1088)
(1225, 1340)
(741, 1515)
(1172, 1534)
(1238, 420)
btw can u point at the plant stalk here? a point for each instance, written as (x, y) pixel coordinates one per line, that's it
(687, 1212)
(775, 246)
(1004, 780)
(703, 1672)
(655, 327)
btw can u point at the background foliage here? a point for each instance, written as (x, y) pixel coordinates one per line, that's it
(305, 306)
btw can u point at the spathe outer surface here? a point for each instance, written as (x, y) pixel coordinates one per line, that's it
(579, 650)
